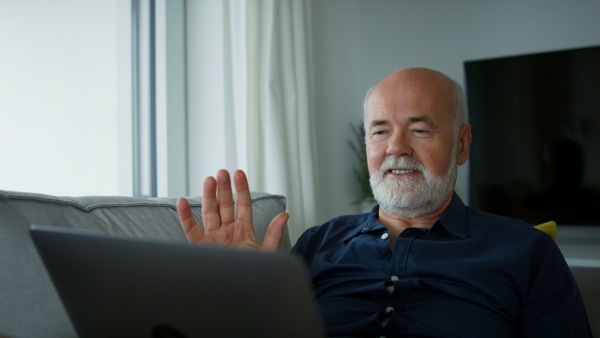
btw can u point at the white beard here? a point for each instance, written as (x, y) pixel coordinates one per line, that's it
(411, 197)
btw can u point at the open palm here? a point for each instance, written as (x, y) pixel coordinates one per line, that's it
(227, 223)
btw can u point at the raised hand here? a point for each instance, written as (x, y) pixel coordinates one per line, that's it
(226, 223)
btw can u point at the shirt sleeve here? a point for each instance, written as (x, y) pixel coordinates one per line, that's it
(300, 247)
(553, 307)
(300, 242)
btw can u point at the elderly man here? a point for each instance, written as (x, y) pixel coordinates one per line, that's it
(420, 263)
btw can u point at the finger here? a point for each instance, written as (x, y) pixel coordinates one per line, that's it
(193, 232)
(274, 233)
(243, 201)
(225, 197)
(210, 213)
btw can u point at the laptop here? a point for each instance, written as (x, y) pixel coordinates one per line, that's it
(114, 286)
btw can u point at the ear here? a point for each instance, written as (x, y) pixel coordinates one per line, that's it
(464, 144)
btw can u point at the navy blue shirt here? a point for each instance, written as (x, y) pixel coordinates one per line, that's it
(472, 274)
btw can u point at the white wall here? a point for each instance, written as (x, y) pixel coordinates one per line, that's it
(338, 95)
(358, 42)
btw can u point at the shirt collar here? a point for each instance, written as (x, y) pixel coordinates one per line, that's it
(369, 224)
(453, 220)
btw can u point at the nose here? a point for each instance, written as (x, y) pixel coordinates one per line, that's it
(399, 145)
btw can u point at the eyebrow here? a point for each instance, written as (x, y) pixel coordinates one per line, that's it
(412, 119)
(376, 123)
(422, 118)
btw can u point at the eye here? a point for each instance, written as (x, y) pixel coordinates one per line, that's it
(379, 132)
(420, 132)
(421, 129)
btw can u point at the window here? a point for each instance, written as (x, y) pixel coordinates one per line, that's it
(65, 108)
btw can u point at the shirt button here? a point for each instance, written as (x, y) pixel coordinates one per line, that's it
(395, 278)
(384, 236)
(389, 309)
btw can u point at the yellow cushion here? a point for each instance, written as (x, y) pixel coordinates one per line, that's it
(549, 228)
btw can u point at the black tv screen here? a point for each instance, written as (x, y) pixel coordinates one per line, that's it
(536, 136)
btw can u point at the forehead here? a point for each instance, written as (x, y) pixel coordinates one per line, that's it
(381, 109)
(409, 106)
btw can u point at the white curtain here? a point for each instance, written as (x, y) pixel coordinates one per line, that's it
(265, 126)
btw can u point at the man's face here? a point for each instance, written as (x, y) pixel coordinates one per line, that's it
(411, 146)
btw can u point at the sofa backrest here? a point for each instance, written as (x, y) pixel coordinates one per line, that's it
(29, 305)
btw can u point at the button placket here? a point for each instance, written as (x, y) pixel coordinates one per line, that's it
(399, 286)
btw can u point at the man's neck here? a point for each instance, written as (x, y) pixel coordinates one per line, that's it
(396, 224)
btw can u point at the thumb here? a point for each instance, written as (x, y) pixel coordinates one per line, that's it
(274, 233)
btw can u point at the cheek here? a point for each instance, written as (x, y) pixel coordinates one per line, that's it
(375, 156)
(437, 162)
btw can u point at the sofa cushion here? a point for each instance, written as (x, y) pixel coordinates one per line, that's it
(549, 228)
(30, 307)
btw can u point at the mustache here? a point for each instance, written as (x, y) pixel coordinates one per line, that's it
(404, 162)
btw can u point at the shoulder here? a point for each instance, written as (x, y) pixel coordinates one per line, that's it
(514, 239)
(501, 226)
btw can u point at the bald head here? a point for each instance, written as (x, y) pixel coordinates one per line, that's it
(424, 82)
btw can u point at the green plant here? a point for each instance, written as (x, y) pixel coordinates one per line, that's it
(357, 144)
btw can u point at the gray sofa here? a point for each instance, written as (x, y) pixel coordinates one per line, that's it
(29, 306)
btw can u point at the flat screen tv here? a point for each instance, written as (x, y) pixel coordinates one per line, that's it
(536, 136)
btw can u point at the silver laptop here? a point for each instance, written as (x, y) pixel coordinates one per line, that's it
(122, 287)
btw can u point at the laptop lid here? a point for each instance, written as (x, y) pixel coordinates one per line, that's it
(122, 287)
